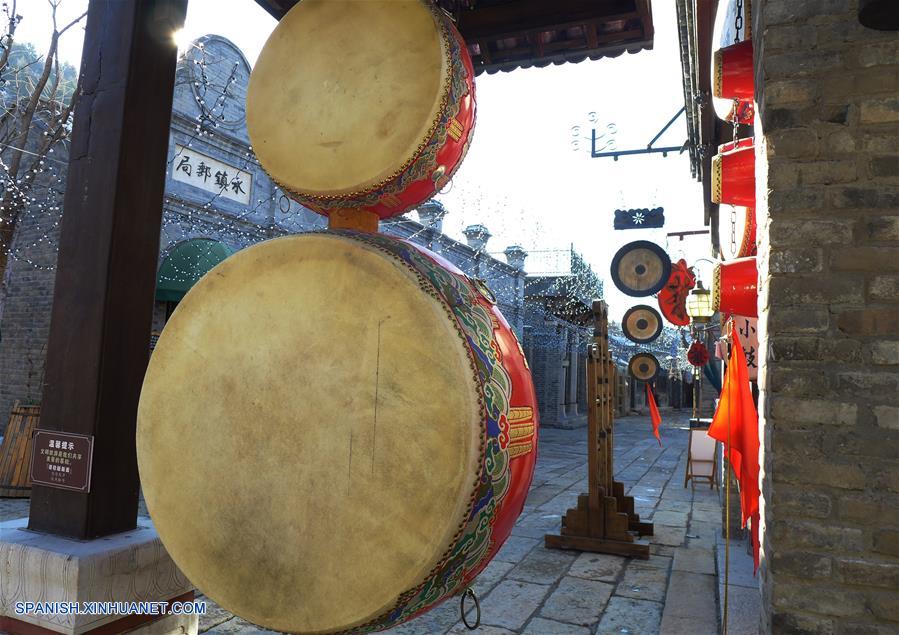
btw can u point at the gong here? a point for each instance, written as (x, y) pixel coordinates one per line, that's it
(640, 268)
(643, 366)
(642, 324)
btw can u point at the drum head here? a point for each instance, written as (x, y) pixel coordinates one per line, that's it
(345, 92)
(640, 268)
(309, 433)
(643, 366)
(641, 324)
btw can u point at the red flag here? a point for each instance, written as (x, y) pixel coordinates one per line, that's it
(654, 413)
(736, 424)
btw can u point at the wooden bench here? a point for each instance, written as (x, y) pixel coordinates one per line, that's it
(15, 452)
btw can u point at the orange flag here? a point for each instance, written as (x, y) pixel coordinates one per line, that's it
(654, 413)
(736, 425)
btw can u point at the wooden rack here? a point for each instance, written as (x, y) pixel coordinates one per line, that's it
(604, 520)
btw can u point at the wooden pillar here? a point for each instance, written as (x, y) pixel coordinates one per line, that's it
(109, 246)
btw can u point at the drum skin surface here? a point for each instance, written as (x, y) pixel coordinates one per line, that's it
(336, 432)
(362, 105)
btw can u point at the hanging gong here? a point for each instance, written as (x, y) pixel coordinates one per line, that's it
(640, 268)
(643, 366)
(641, 324)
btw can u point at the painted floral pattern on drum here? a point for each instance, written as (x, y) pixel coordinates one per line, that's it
(477, 324)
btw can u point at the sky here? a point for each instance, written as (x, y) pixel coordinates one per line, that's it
(523, 177)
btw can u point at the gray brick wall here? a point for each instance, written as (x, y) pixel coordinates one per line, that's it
(829, 291)
(26, 312)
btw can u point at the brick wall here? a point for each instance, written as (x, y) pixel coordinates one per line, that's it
(829, 292)
(25, 322)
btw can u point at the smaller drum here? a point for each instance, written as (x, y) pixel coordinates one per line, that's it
(733, 176)
(640, 268)
(735, 287)
(641, 324)
(734, 77)
(363, 106)
(643, 366)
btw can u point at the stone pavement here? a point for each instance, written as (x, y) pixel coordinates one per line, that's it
(532, 590)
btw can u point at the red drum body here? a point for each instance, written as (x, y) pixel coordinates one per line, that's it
(364, 106)
(733, 72)
(735, 287)
(733, 176)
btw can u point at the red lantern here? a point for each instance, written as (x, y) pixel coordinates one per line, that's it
(734, 76)
(698, 354)
(735, 287)
(733, 175)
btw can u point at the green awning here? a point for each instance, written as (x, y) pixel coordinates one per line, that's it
(187, 263)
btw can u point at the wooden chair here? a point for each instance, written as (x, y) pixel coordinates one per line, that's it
(701, 463)
(15, 453)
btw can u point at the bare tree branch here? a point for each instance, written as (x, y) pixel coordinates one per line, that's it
(9, 36)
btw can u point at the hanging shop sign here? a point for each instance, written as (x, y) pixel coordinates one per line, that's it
(211, 175)
(62, 460)
(639, 218)
(747, 332)
(673, 296)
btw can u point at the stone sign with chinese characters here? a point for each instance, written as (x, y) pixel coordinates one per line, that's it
(747, 331)
(62, 459)
(211, 175)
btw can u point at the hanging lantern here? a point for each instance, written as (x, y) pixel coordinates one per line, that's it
(733, 175)
(699, 304)
(698, 354)
(733, 73)
(735, 287)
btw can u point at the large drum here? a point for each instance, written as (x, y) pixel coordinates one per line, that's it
(336, 432)
(362, 105)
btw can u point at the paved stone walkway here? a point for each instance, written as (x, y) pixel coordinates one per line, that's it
(532, 590)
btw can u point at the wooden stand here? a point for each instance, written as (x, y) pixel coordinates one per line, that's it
(604, 520)
(15, 453)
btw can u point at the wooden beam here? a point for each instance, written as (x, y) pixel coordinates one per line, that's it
(531, 15)
(109, 246)
(276, 8)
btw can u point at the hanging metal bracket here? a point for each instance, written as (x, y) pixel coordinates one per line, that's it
(649, 149)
